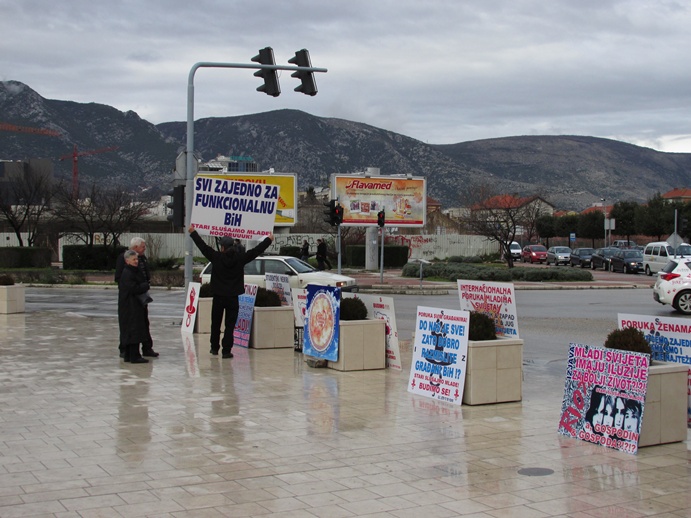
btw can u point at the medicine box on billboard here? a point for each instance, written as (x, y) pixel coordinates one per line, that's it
(286, 207)
(402, 198)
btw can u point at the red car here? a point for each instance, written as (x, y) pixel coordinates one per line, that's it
(534, 254)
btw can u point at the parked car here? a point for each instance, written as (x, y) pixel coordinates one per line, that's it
(673, 285)
(626, 261)
(656, 255)
(581, 257)
(601, 257)
(623, 243)
(300, 273)
(534, 254)
(515, 250)
(557, 255)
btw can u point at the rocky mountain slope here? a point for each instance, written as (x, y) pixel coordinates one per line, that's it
(569, 171)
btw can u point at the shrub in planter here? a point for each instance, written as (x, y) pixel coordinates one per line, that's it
(205, 291)
(6, 280)
(628, 339)
(481, 327)
(266, 299)
(353, 309)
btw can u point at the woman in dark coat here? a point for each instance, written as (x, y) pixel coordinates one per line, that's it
(131, 286)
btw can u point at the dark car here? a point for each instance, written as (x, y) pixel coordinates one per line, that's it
(581, 257)
(601, 257)
(534, 254)
(627, 261)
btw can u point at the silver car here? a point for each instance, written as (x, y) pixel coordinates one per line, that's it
(557, 255)
(300, 273)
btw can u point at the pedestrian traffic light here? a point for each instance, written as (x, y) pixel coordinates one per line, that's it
(338, 214)
(330, 213)
(270, 86)
(381, 218)
(302, 59)
(177, 206)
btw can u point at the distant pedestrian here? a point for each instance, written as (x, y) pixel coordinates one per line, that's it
(305, 251)
(227, 284)
(322, 259)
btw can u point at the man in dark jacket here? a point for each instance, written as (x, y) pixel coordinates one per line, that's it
(134, 322)
(227, 284)
(138, 245)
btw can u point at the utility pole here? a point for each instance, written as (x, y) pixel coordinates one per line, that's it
(267, 70)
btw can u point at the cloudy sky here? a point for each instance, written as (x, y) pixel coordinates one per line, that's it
(441, 71)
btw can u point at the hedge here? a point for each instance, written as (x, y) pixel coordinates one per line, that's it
(82, 257)
(455, 271)
(25, 257)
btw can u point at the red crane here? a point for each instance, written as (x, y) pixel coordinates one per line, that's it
(4, 126)
(75, 161)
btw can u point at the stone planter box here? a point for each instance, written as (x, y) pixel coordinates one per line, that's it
(202, 324)
(494, 371)
(273, 328)
(12, 299)
(361, 345)
(666, 401)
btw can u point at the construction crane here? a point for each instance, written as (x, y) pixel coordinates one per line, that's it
(75, 164)
(4, 126)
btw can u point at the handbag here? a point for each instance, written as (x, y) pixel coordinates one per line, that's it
(144, 298)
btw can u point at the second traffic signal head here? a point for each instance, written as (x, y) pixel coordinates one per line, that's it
(309, 85)
(338, 214)
(270, 86)
(381, 218)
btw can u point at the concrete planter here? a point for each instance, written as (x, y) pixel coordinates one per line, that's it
(273, 328)
(494, 371)
(361, 345)
(664, 414)
(202, 324)
(12, 299)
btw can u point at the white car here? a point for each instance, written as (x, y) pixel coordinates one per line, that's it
(673, 285)
(301, 274)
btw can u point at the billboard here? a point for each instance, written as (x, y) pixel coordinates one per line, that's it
(404, 199)
(286, 206)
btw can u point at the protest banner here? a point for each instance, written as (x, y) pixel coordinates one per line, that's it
(191, 304)
(440, 354)
(604, 396)
(495, 299)
(383, 309)
(669, 339)
(299, 296)
(243, 324)
(233, 208)
(322, 322)
(281, 285)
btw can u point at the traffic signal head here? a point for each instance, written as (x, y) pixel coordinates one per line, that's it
(338, 214)
(309, 85)
(381, 218)
(330, 213)
(177, 206)
(270, 86)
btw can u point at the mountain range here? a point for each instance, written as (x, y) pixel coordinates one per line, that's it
(570, 172)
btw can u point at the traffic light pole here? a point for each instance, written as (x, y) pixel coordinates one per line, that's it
(189, 180)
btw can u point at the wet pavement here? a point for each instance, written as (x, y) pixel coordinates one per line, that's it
(83, 434)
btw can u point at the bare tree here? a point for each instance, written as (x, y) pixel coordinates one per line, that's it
(24, 202)
(109, 211)
(494, 216)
